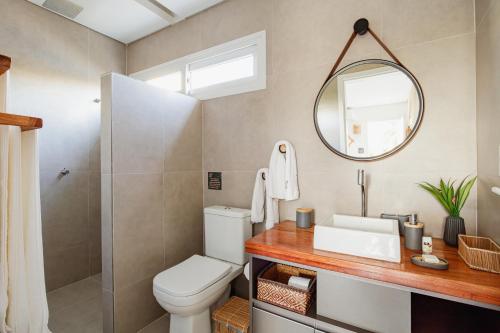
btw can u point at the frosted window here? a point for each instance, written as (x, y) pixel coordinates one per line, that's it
(227, 71)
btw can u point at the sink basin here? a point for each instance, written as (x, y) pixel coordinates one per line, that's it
(359, 236)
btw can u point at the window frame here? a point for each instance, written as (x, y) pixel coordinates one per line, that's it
(214, 55)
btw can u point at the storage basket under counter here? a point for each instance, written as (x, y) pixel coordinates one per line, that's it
(273, 288)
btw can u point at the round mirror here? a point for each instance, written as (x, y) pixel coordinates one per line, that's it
(368, 110)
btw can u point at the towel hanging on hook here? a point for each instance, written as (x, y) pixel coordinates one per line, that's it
(283, 172)
(282, 149)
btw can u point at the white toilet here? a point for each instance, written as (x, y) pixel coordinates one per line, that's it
(188, 289)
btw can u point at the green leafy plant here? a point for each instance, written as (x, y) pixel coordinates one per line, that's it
(452, 199)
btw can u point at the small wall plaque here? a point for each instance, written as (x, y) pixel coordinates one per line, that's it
(215, 181)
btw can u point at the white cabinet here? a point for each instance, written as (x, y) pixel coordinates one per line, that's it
(266, 322)
(373, 307)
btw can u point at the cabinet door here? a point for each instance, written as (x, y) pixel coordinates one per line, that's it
(361, 304)
(266, 322)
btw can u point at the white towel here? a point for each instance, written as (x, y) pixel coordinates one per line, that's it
(259, 197)
(283, 172)
(262, 201)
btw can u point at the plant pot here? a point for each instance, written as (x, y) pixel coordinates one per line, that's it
(454, 226)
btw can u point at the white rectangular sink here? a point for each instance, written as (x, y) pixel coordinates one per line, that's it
(359, 236)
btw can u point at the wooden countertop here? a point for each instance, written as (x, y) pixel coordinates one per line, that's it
(292, 244)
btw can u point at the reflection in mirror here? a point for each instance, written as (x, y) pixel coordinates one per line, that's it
(368, 109)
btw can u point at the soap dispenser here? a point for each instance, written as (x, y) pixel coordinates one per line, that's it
(414, 231)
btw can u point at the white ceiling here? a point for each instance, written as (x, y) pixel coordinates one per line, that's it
(129, 20)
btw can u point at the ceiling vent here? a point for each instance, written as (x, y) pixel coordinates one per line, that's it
(63, 7)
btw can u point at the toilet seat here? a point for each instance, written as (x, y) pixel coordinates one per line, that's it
(191, 276)
(204, 282)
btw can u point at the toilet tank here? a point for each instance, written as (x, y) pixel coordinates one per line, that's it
(226, 230)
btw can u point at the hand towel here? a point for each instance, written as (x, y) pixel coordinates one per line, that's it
(259, 197)
(264, 208)
(283, 172)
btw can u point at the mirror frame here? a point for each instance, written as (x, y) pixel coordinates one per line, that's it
(398, 147)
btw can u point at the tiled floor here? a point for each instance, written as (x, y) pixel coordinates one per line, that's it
(76, 308)
(158, 326)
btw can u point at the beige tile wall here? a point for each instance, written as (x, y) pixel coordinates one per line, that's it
(151, 194)
(488, 115)
(434, 39)
(55, 74)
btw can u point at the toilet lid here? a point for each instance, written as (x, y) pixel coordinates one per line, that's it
(191, 276)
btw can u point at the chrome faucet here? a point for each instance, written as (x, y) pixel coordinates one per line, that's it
(361, 182)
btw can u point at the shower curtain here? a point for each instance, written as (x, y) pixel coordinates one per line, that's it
(23, 299)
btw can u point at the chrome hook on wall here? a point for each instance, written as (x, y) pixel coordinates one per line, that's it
(63, 172)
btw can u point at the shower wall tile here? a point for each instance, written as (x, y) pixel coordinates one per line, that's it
(107, 315)
(95, 239)
(64, 202)
(56, 68)
(152, 195)
(137, 128)
(183, 216)
(107, 230)
(136, 307)
(183, 148)
(481, 8)
(106, 118)
(105, 56)
(65, 266)
(138, 250)
(242, 120)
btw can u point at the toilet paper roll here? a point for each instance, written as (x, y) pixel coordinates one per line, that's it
(299, 282)
(246, 271)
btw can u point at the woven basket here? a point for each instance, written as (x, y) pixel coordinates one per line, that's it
(232, 317)
(479, 253)
(273, 288)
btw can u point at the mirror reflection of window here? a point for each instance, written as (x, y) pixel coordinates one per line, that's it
(376, 105)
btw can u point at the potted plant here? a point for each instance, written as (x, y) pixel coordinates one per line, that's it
(453, 200)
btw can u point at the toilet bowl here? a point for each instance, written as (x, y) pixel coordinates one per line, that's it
(188, 289)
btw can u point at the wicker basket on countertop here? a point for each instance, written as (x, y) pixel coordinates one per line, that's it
(480, 253)
(273, 288)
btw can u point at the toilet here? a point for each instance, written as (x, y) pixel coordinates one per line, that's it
(188, 289)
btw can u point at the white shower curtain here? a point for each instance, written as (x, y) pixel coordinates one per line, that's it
(23, 300)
